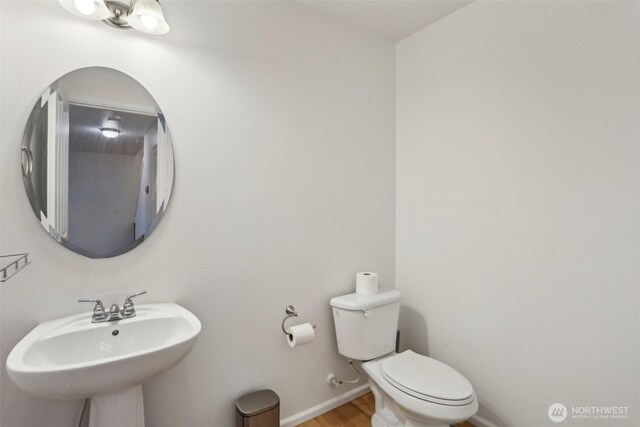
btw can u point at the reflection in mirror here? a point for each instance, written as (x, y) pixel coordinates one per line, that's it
(97, 162)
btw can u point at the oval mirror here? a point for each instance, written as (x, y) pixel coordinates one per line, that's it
(97, 162)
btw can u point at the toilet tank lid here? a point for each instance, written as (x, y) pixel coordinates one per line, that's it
(363, 302)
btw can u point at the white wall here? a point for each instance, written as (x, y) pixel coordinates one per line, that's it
(518, 203)
(283, 126)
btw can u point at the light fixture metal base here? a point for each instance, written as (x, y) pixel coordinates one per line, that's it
(119, 15)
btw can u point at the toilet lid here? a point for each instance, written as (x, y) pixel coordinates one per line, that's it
(427, 379)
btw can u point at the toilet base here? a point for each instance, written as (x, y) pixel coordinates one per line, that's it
(379, 422)
(388, 414)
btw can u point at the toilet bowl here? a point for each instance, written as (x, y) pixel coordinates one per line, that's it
(410, 390)
(413, 390)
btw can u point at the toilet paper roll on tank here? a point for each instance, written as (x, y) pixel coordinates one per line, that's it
(366, 283)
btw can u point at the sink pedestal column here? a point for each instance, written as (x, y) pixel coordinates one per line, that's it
(123, 408)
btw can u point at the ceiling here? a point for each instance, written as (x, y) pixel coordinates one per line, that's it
(391, 20)
(86, 121)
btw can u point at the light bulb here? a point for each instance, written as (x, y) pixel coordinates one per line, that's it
(110, 133)
(149, 21)
(86, 7)
(90, 9)
(147, 16)
(112, 127)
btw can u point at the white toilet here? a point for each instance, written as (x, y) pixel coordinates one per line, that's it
(411, 390)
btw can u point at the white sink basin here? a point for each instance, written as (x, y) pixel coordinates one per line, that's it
(73, 358)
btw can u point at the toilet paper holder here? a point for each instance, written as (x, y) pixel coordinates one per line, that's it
(291, 312)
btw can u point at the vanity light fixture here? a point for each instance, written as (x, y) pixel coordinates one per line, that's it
(91, 9)
(111, 128)
(146, 16)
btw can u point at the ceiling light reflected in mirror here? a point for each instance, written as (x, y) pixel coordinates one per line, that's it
(111, 128)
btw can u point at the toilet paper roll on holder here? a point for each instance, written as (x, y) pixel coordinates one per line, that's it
(291, 312)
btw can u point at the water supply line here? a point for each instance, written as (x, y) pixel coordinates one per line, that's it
(334, 381)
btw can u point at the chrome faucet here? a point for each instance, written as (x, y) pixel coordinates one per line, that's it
(115, 312)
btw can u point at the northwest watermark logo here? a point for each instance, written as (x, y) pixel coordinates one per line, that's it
(558, 412)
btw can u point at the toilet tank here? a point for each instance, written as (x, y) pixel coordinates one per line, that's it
(366, 325)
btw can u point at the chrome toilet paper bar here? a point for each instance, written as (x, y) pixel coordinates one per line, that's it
(291, 312)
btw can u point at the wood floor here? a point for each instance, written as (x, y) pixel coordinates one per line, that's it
(356, 413)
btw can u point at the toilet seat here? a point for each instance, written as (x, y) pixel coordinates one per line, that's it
(427, 379)
(414, 406)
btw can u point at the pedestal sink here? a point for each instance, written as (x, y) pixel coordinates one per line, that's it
(72, 358)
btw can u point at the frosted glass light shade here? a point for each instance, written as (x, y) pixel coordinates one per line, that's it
(110, 133)
(91, 9)
(111, 128)
(147, 16)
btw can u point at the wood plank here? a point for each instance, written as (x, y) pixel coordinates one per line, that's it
(366, 404)
(356, 413)
(346, 415)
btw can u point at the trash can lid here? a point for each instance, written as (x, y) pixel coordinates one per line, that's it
(257, 402)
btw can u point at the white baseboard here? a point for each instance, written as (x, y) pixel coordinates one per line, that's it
(320, 409)
(478, 421)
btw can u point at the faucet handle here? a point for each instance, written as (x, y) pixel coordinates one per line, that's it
(97, 302)
(128, 309)
(98, 308)
(130, 297)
